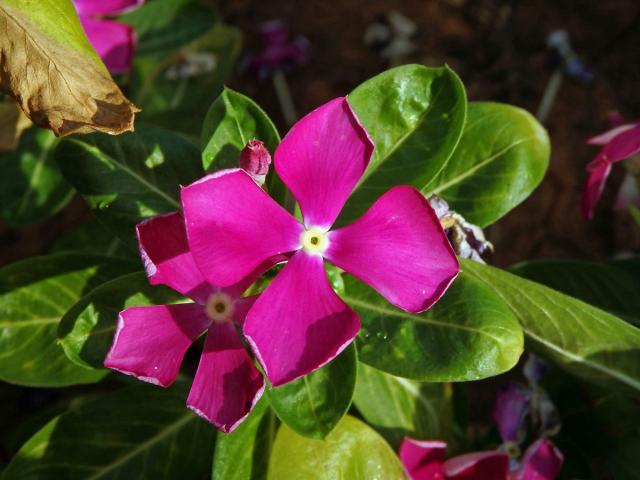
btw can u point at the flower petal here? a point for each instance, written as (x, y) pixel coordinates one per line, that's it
(115, 42)
(399, 248)
(227, 384)
(321, 160)
(299, 323)
(478, 466)
(105, 7)
(423, 459)
(593, 188)
(510, 410)
(167, 259)
(150, 342)
(622, 146)
(609, 135)
(541, 461)
(234, 227)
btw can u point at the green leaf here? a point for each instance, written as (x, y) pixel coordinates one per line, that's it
(34, 295)
(31, 186)
(468, 335)
(164, 25)
(501, 158)
(415, 116)
(231, 122)
(94, 238)
(244, 453)
(585, 340)
(86, 331)
(130, 177)
(352, 451)
(606, 286)
(398, 407)
(139, 432)
(314, 404)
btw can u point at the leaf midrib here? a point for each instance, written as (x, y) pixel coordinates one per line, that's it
(99, 153)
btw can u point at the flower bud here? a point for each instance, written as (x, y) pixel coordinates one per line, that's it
(255, 160)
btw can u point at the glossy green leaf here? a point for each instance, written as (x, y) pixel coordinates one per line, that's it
(398, 407)
(31, 186)
(130, 177)
(415, 116)
(352, 451)
(469, 334)
(86, 331)
(96, 239)
(34, 296)
(583, 339)
(244, 453)
(141, 432)
(501, 158)
(314, 404)
(605, 286)
(231, 122)
(164, 25)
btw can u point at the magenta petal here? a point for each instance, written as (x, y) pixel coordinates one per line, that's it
(609, 135)
(241, 308)
(622, 146)
(399, 248)
(423, 459)
(115, 42)
(490, 465)
(227, 384)
(541, 461)
(105, 7)
(150, 342)
(321, 160)
(593, 189)
(299, 323)
(166, 256)
(234, 227)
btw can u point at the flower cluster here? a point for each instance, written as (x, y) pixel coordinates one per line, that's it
(231, 232)
(114, 41)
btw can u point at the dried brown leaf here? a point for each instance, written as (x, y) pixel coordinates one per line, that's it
(58, 85)
(12, 123)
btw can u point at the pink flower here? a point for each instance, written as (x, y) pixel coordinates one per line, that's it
(425, 460)
(620, 143)
(114, 41)
(150, 342)
(299, 323)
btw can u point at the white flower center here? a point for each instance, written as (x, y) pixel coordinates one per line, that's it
(314, 240)
(219, 307)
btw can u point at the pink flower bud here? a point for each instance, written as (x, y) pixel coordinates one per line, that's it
(255, 160)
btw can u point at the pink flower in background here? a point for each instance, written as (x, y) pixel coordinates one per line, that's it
(114, 41)
(619, 143)
(299, 323)
(426, 460)
(150, 342)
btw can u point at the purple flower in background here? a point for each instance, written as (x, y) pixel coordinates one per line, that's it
(114, 41)
(150, 342)
(299, 323)
(619, 143)
(425, 460)
(279, 52)
(510, 411)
